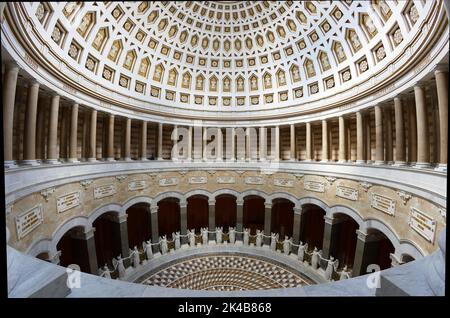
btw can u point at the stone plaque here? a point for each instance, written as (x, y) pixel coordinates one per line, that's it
(68, 201)
(198, 180)
(226, 179)
(136, 185)
(347, 193)
(29, 220)
(254, 180)
(104, 191)
(382, 203)
(168, 181)
(422, 224)
(316, 186)
(288, 183)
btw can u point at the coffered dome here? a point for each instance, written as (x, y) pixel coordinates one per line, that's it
(228, 56)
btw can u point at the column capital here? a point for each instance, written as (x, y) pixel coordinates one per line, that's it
(212, 202)
(154, 209)
(330, 220)
(12, 66)
(361, 235)
(33, 82)
(119, 218)
(298, 210)
(440, 68)
(267, 205)
(239, 201)
(82, 234)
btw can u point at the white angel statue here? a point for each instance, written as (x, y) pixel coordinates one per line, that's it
(246, 236)
(147, 247)
(191, 235)
(232, 235)
(259, 238)
(118, 263)
(301, 251)
(315, 258)
(344, 274)
(135, 256)
(286, 245)
(104, 272)
(219, 235)
(176, 239)
(163, 243)
(331, 264)
(204, 235)
(273, 241)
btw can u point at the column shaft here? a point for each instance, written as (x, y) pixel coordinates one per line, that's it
(412, 132)
(52, 154)
(73, 134)
(359, 138)
(189, 148)
(342, 135)
(399, 133)
(93, 136)
(239, 217)
(423, 147)
(267, 221)
(183, 220)
(368, 137)
(63, 135)
(29, 138)
(160, 138)
(9, 96)
(262, 143)
(110, 146)
(308, 142)
(127, 153)
(211, 217)
(277, 143)
(442, 94)
(379, 151)
(154, 223)
(143, 142)
(40, 130)
(325, 155)
(389, 137)
(293, 155)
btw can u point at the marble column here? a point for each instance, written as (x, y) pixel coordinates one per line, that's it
(219, 150)
(298, 211)
(155, 229)
(239, 217)
(325, 147)
(262, 143)
(189, 148)
(267, 221)
(63, 134)
(412, 132)
(277, 144)
(330, 241)
(248, 155)
(175, 152)
(368, 137)
(160, 139)
(359, 138)
(73, 134)
(110, 136)
(365, 253)
(442, 94)
(93, 137)
(389, 137)
(342, 143)
(183, 220)
(127, 152)
(85, 137)
(308, 142)
(52, 153)
(120, 234)
(40, 130)
(29, 138)
(143, 141)
(293, 153)
(399, 133)
(204, 141)
(423, 147)
(233, 144)
(89, 240)
(212, 218)
(379, 151)
(9, 96)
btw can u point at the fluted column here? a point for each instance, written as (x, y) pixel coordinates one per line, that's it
(63, 134)
(379, 151)
(127, 153)
(277, 143)
(204, 139)
(368, 137)
(293, 152)
(342, 135)
(423, 147)
(73, 134)
(308, 142)
(52, 154)
(389, 137)
(442, 94)
(248, 155)
(40, 130)
(9, 96)
(93, 137)
(110, 145)
(29, 138)
(219, 150)
(412, 132)
(399, 133)
(325, 155)
(359, 138)
(160, 138)
(189, 148)
(143, 141)
(262, 143)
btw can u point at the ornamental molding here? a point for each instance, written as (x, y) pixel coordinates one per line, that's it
(47, 193)
(86, 183)
(404, 196)
(365, 185)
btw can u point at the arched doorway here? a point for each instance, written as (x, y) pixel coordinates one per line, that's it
(168, 217)
(138, 222)
(226, 211)
(312, 225)
(343, 240)
(376, 249)
(197, 212)
(282, 217)
(74, 250)
(108, 242)
(253, 216)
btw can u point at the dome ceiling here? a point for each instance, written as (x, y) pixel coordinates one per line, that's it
(227, 54)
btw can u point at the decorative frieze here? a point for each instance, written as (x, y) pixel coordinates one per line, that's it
(382, 203)
(347, 193)
(29, 220)
(423, 224)
(47, 192)
(315, 186)
(68, 201)
(168, 181)
(365, 185)
(226, 179)
(198, 180)
(404, 196)
(288, 183)
(136, 185)
(86, 183)
(254, 180)
(105, 191)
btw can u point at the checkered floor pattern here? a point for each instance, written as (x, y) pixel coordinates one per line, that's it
(225, 273)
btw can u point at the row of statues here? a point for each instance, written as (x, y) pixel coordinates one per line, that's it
(147, 250)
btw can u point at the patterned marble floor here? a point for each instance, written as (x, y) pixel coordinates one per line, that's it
(225, 273)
